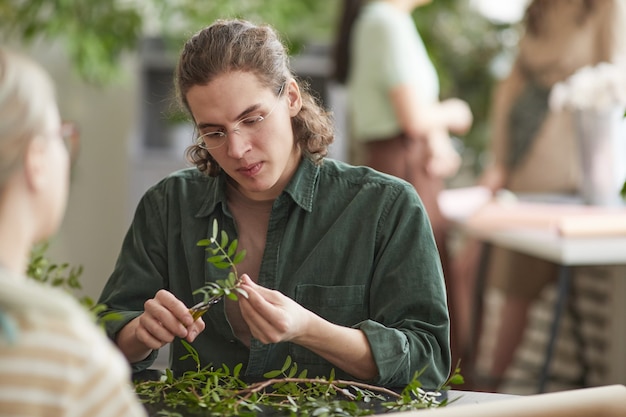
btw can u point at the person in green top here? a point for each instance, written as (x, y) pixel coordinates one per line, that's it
(341, 268)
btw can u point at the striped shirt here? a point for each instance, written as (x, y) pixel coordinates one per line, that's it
(54, 361)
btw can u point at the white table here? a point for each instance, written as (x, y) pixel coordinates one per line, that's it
(567, 252)
(570, 251)
(460, 206)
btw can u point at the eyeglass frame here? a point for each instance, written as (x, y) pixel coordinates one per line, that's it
(70, 134)
(223, 134)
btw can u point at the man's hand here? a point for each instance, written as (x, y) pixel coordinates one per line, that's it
(164, 318)
(271, 316)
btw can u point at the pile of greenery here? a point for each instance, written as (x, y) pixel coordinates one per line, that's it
(287, 391)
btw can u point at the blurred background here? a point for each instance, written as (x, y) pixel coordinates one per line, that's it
(112, 62)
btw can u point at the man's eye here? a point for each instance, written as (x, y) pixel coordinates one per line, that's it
(214, 135)
(251, 120)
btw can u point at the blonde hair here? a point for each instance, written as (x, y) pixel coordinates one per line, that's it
(25, 94)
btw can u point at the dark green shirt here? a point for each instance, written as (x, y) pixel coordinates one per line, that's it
(348, 243)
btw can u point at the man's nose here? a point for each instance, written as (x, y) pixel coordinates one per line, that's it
(238, 143)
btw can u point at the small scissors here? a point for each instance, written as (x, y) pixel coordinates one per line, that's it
(201, 308)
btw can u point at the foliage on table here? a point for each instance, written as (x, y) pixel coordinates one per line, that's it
(65, 277)
(286, 391)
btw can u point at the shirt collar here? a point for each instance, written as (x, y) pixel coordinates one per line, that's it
(215, 194)
(301, 189)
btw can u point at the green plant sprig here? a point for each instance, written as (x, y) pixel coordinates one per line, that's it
(287, 391)
(224, 255)
(66, 278)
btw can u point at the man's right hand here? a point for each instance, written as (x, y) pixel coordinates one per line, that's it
(164, 318)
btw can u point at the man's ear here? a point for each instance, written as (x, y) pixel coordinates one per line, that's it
(34, 164)
(295, 97)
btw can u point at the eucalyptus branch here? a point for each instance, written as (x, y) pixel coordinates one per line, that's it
(223, 255)
(337, 384)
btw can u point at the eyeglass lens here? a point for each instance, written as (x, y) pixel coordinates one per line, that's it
(212, 140)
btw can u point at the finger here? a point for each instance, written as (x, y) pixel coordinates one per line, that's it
(266, 293)
(260, 328)
(152, 333)
(163, 317)
(196, 328)
(178, 309)
(266, 321)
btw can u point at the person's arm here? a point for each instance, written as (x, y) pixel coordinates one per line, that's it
(430, 124)
(611, 32)
(418, 118)
(495, 175)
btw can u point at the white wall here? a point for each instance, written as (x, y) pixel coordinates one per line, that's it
(97, 212)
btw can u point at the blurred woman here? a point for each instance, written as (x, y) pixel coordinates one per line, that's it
(534, 149)
(54, 361)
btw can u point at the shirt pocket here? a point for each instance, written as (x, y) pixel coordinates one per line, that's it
(343, 305)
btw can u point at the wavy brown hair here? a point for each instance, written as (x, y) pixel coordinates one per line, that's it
(239, 45)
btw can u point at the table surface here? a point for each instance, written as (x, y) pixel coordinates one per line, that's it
(569, 251)
(531, 228)
(473, 397)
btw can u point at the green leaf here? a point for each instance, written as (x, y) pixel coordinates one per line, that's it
(215, 259)
(237, 370)
(232, 248)
(215, 229)
(456, 380)
(272, 374)
(203, 242)
(239, 257)
(222, 265)
(224, 242)
(293, 371)
(286, 365)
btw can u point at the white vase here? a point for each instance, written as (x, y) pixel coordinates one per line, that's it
(602, 145)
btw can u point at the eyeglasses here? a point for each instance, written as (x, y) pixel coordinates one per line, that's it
(71, 138)
(215, 139)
